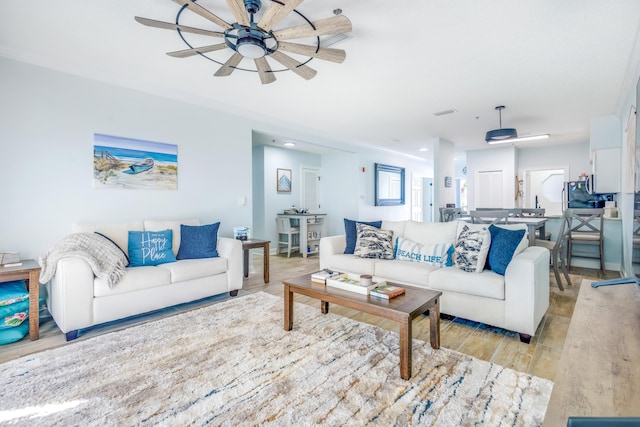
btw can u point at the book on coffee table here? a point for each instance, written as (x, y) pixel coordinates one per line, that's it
(348, 284)
(386, 291)
(322, 275)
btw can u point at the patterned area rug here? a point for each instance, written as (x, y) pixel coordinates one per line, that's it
(233, 364)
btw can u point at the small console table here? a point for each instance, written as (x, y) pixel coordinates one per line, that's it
(312, 228)
(255, 244)
(29, 271)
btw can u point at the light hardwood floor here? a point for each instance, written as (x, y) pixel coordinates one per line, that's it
(539, 358)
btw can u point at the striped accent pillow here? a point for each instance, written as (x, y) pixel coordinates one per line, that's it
(438, 254)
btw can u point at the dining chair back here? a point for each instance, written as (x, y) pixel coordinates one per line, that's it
(535, 213)
(559, 251)
(515, 212)
(288, 235)
(586, 229)
(489, 217)
(532, 212)
(449, 214)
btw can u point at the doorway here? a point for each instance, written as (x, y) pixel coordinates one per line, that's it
(421, 198)
(544, 188)
(310, 188)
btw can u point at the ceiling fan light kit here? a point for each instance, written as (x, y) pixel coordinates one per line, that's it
(257, 41)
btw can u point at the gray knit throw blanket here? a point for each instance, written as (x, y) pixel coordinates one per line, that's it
(105, 258)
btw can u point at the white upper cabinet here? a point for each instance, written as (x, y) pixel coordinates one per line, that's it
(605, 140)
(606, 170)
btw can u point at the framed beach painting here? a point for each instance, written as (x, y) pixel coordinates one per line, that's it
(128, 163)
(283, 180)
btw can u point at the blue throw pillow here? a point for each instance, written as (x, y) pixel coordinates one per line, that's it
(11, 309)
(352, 233)
(12, 292)
(503, 244)
(150, 248)
(198, 241)
(10, 335)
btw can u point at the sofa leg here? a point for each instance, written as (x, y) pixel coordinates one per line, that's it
(234, 293)
(525, 338)
(72, 335)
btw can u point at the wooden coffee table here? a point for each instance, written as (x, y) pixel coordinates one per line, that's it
(403, 309)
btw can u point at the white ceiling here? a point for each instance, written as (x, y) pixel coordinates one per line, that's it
(554, 64)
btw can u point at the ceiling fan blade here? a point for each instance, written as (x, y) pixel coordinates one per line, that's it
(196, 50)
(168, 26)
(328, 54)
(334, 25)
(196, 8)
(239, 12)
(276, 12)
(264, 70)
(229, 66)
(302, 70)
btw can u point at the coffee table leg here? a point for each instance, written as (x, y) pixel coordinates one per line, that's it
(324, 307)
(405, 348)
(434, 324)
(288, 308)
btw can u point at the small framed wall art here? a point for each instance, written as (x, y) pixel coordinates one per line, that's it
(283, 180)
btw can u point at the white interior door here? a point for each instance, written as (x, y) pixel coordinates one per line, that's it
(488, 190)
(310, 188)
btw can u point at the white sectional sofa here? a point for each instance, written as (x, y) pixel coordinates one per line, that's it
(516, 301)
(78, 299)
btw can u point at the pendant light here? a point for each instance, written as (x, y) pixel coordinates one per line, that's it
(499, 135)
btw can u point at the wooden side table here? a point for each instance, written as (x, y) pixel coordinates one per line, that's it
(255, 244)
(30, 272)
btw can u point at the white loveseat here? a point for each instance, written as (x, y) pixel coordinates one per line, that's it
(78, 299)
(516, 301)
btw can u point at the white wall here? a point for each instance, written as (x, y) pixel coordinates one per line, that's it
(259, 220)
(626, 203)
(444, 167)
(340, 174)
(274, 202)
(575, 157)
(367, 209)
(47, 124)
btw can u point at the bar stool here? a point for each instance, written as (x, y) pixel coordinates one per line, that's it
(286, 234)
(586, 228)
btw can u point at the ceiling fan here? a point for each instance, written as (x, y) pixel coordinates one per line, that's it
(257, 41)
